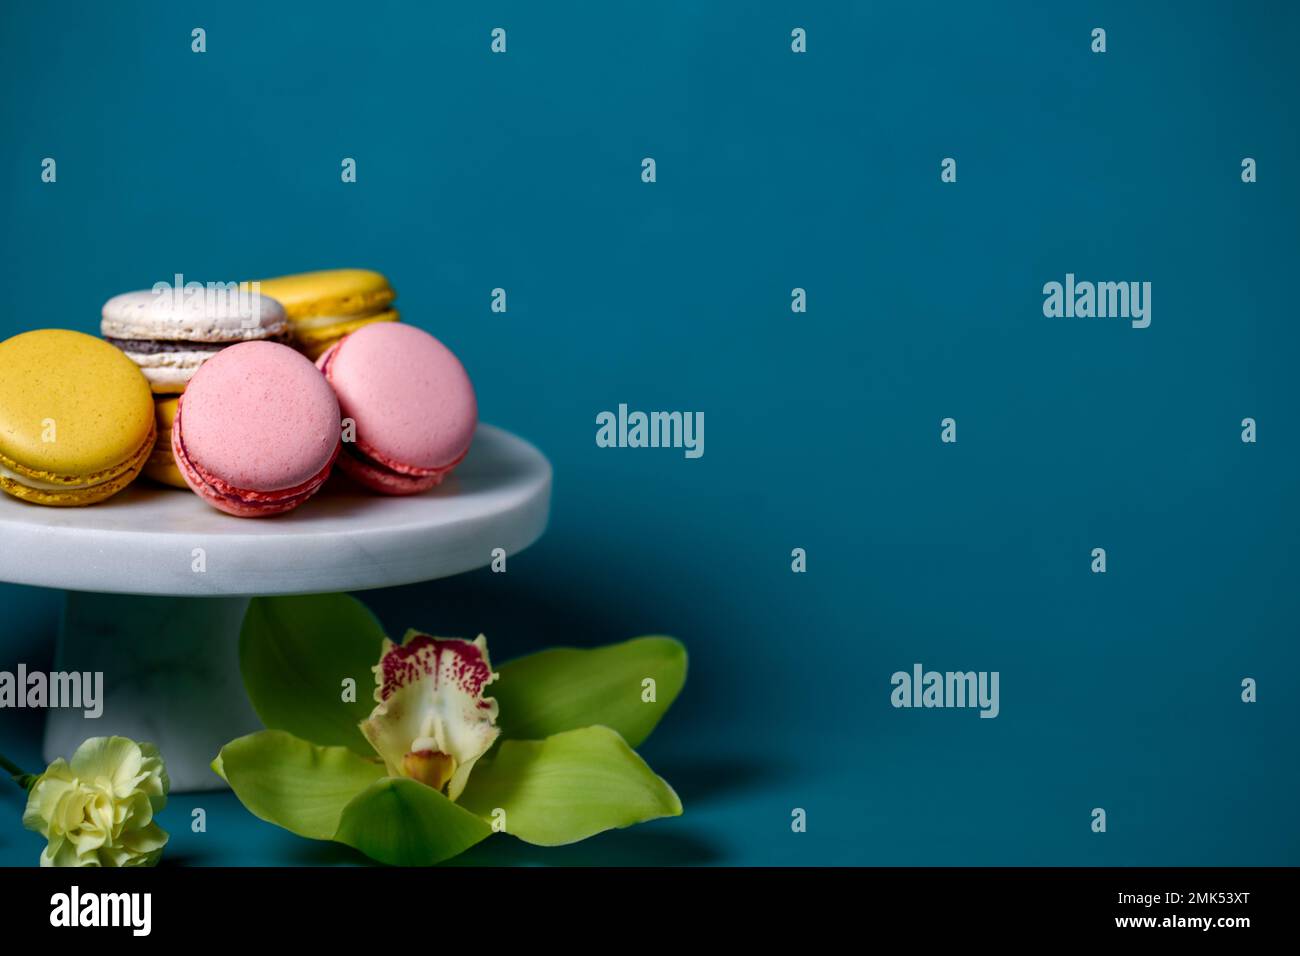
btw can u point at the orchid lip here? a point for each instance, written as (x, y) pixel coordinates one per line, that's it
(431, 722)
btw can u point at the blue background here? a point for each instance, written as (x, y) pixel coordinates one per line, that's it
(776, 170)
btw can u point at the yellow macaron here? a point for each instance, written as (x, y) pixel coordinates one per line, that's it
(76, 418)
(316, 341)
(325, 306)
(161, 465)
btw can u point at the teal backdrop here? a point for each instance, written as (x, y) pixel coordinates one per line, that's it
(775, 170)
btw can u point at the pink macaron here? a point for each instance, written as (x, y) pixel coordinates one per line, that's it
(256, 430)
(411, 402)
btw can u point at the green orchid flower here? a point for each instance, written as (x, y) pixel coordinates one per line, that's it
(427, 766)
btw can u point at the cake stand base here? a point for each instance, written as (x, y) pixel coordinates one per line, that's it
(170, 669)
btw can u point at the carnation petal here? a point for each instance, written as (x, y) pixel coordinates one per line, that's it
(98, 809)
(115, 759)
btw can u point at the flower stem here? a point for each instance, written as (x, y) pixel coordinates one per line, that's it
(24, 780)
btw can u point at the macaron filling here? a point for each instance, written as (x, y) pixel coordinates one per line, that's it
(28, 482)
(48, 481)
(158, 346)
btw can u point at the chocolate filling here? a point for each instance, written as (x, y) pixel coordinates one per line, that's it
(157, 346)
(160, 346)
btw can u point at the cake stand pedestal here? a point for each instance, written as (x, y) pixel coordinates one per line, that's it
(158, 581)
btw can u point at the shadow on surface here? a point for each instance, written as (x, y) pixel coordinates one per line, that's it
(699, 781)
(632, 847)
(617, 848)
(322, 853)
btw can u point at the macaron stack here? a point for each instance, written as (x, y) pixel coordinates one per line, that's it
(171, 333)
(199, 391)
(323, 307)
(410, 403)
(76, 418)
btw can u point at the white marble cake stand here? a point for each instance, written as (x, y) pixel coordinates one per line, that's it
(165, 634)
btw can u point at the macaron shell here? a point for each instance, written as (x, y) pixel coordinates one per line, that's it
(259, 418)
(164, 410)
(73, 409)
(192, 317)
(316, 343)
(411, 399)
(161, 464)
(321, 329)
(341, 292)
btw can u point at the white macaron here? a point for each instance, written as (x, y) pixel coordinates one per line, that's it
(170, 333)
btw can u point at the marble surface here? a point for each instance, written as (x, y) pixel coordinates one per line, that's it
(170, 669)
(152, 540)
